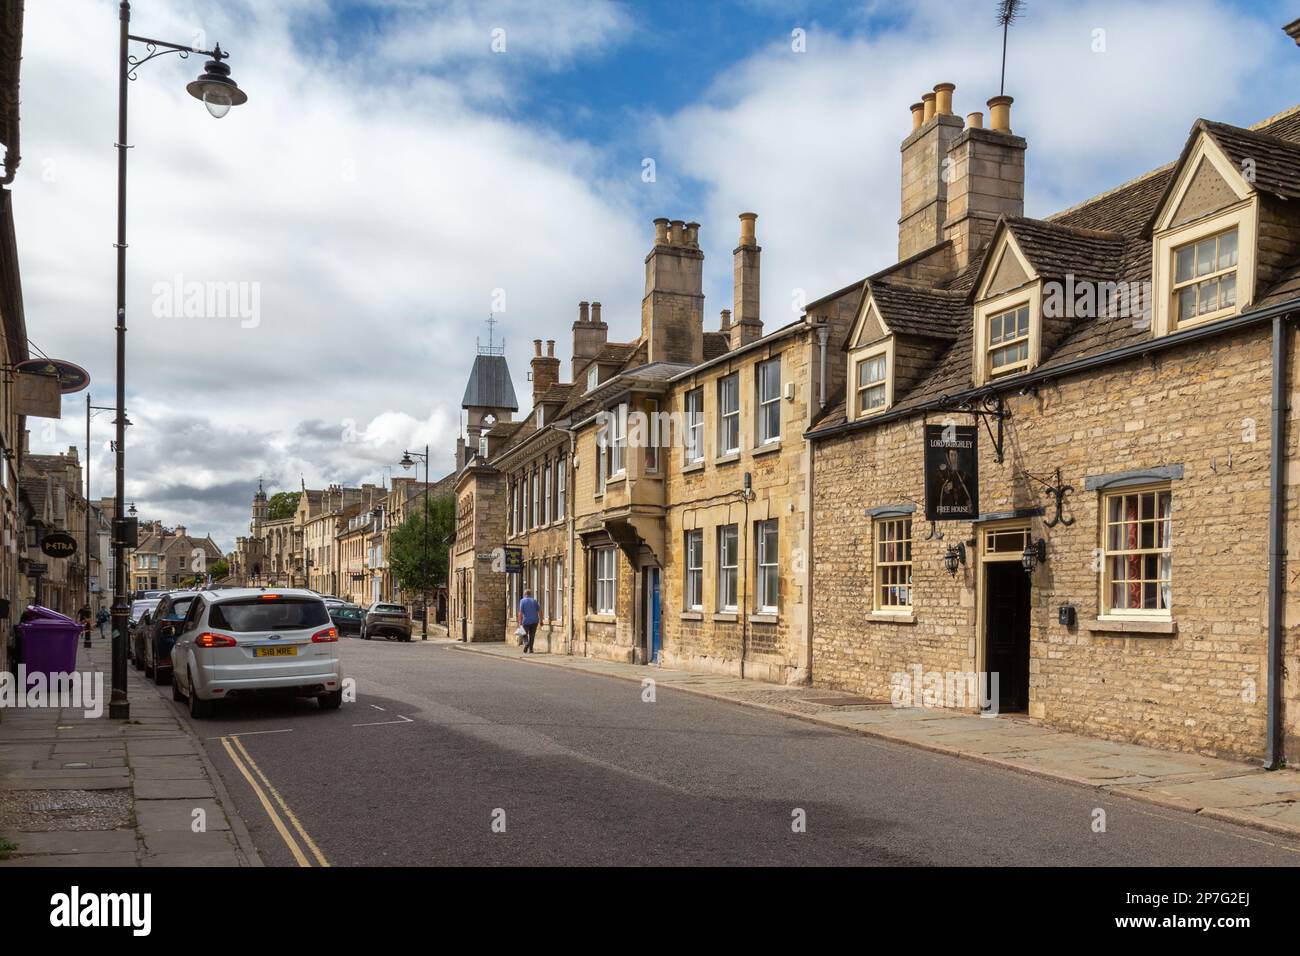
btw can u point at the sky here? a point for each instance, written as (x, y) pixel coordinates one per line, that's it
(308, 276)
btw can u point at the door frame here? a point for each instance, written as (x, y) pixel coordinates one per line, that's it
(982, 532)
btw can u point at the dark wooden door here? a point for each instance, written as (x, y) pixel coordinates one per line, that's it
(1006, 632)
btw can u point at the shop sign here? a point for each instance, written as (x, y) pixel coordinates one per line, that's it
(952, 486)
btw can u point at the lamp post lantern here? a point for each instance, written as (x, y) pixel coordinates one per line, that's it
(218, 92)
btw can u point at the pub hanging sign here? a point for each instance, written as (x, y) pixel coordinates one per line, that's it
(952, 484)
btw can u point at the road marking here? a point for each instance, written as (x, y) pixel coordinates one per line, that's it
(380, 723)
(302, 832)
(252, 733)
(266, 804)
(376, 706)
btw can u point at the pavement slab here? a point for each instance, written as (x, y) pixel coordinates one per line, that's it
(90, 791)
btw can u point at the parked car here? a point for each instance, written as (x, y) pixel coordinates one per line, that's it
(149, 595)
(386, 620)
(348, 618)
(157, 648)
(245, 640)
(141, 613)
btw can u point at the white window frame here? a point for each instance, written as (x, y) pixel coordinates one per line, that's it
(593, 377)
(617, 442)
(1163, 581)
(534, 512)
(558, 569)
(605, 590)
(767, 565)
(652, 437)
(767, 401)
(561, 478)
(1004, 343)
(891, 565)
(694, 407)
(1177, 287)
(885, 383)
(728, 420)
(728, 550)
(693, 586)
(547, 516)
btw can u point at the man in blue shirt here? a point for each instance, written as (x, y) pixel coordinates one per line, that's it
(529, 616)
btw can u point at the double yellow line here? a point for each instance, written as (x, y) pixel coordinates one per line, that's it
(243, 762)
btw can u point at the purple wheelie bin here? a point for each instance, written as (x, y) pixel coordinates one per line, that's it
(49, 641)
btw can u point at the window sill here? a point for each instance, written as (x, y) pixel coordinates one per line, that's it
(693, 466)
(1128, 625)
(692, 615)
(766, 448)
(892, 617)
(764, 618)
(727, 459)
(601, 619)
(1176, 326)
(726, 617)
(616, 479)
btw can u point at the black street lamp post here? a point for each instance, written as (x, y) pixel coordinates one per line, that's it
(407, 462)
(219, 93)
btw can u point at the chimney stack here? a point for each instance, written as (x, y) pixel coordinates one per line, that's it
(545, 368)
(725, 324)
(986, 180)
(745, 275)
(589, 334)
(924, 189)
(958, 178)
(672, 311)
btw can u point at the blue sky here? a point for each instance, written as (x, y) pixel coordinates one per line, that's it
(392, 178)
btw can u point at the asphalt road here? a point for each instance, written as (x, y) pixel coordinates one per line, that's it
(450, 757)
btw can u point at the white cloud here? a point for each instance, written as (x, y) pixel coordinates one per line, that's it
(373, 220)
(810, 140)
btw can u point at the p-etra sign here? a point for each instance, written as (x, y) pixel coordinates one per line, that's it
(59, 544)
(72, 378)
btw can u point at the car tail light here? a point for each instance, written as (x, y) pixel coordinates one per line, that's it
(325, 636)
(208, 639)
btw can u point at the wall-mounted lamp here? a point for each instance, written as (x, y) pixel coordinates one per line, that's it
(955, 557)
(1035, 553)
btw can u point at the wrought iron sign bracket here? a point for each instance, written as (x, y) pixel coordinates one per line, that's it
(986, 407)
(1056, 489)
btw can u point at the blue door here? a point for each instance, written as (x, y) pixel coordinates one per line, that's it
(656, 626)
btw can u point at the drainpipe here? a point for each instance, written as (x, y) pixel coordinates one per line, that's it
(1275, 756)
(823, 333)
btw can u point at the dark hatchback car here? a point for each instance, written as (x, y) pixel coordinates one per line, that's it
(160, 634)
(347, 618)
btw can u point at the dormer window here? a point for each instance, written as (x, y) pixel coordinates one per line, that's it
(1205, 276)
(1008, 341)
(541, 416)
(873, 392)
(593, 377)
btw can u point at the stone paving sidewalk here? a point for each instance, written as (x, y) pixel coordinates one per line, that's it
(78, 791)
(1220, 789)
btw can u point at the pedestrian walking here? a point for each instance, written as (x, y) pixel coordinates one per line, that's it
(102, 620)
(529, 617)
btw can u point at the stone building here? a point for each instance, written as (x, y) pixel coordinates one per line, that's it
(657, 501)
(52, 485)
(477, 579)
(170, 558)
(1101, 399)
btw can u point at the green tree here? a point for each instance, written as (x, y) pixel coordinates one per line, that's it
(418, 559)
(219, 570)
(282, 504)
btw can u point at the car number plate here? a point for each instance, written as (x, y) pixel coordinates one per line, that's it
(275, 651)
